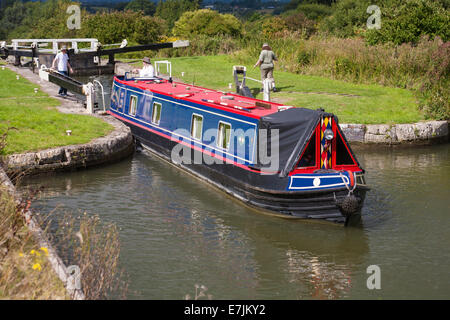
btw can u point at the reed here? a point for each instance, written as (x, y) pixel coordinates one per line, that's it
(93, 246)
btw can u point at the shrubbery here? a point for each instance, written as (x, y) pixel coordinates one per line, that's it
(115, 26)
(410, 20)
(206, 22)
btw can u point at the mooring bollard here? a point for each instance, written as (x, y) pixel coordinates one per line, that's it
(69, 132)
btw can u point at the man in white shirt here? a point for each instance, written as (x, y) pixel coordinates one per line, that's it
(62, 59)
(147, 71)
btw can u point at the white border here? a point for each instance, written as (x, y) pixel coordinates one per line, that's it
(320, 186)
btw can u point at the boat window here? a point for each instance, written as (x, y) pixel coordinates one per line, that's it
(156, 114)
(343, 156)
(223, 136)
(309, 156)
(133, 105)
(196, 126)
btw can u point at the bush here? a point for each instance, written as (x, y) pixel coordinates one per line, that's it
(410, 20)
(348, 16)
(115, 26)
(315, 11)
(172, 10)
(206, 22)
(299, 22)
(435, 92)
(273, 26)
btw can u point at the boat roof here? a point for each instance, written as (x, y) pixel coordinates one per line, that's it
(230, 102)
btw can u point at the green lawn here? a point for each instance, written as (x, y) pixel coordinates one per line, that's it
(35, 123)
(374, 104)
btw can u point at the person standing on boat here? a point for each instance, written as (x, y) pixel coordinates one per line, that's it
(147, 71)
(62, 60)
(266, 63)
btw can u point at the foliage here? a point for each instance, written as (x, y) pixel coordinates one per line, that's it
(273, 26)
(409, 20)
(115, 26)
(299, 22)
(206, 22)
(435, 92)
(146, 6)
(37, 20)
(25, 271)
(315, 11)
(172, 10)
(348, 16)
(293, 4)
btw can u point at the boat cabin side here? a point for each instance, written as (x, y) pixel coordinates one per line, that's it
(322, 160)
(228, 137)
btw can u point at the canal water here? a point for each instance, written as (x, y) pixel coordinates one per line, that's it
(177, 232)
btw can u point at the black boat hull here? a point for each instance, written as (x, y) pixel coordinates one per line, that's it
(263, 192)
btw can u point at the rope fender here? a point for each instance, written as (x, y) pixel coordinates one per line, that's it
(350, 204)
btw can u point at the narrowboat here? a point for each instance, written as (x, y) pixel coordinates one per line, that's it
(289, 161)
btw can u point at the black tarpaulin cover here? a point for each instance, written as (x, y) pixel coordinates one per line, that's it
(295, 128)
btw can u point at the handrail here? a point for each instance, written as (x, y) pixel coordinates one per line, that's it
(103, 93)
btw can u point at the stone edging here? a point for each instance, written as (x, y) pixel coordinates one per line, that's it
(55, 261)
(385, 134)
(115, 146)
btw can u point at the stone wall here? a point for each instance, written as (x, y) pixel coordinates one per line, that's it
(113, 147)
(415, 133)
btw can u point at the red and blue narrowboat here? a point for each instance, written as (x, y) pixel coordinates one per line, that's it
(293, 162)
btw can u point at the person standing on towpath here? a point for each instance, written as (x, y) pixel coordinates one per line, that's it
(265, 61)
(62, 59)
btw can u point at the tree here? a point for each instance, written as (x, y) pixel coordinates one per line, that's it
(409, 20)
(115, 26)
(146, 6)
(171, 10)
(348, 16)
(206, 22)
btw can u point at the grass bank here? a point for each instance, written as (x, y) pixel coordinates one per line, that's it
(34, 122)
(423, 68)
(352, 103)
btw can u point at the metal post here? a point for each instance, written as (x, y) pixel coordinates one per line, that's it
(267, 83)
(55, 47)
(88, 90)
